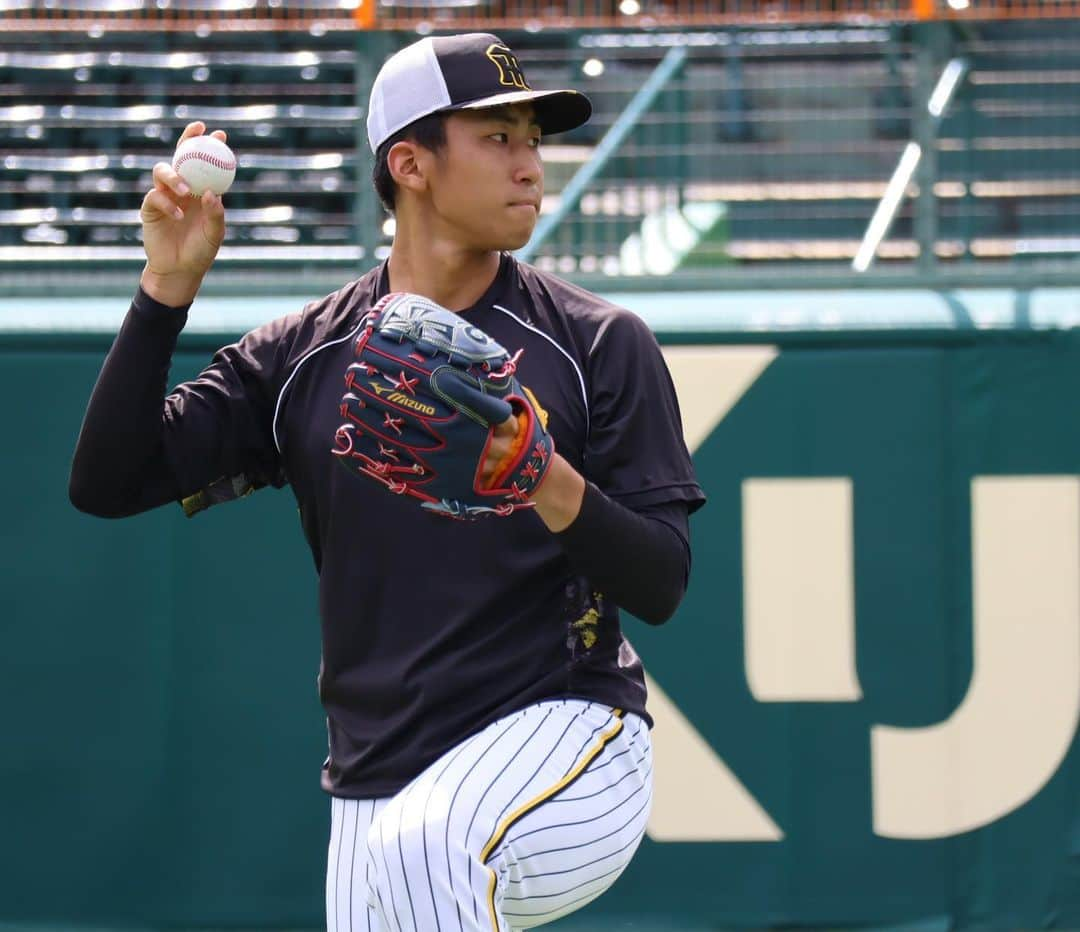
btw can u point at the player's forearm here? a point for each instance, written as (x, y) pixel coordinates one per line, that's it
(119, 466)
(638, 560)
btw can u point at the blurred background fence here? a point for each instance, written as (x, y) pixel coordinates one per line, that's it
(755, 140)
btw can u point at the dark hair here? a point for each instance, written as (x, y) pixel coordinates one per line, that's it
(429, 131)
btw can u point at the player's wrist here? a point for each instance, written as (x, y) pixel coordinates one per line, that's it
(558, 498)
(173, 289)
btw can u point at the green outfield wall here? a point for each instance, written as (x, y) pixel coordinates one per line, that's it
(866, 706)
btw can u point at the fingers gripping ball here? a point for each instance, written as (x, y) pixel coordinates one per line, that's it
(206, 164)
(422, 401)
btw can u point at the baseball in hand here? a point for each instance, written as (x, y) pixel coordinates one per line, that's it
(206, 164)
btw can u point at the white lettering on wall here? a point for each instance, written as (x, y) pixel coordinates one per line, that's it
(798, 590)
(1015, 724)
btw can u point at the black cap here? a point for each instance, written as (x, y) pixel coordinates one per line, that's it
(464, 72)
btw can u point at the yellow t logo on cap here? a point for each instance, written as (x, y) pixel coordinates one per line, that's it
(509, 70)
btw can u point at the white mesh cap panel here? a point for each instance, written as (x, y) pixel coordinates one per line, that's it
(408, 86)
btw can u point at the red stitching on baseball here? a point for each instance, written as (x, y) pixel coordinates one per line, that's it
(206, 157)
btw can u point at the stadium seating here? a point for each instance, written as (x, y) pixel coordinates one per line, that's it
(796, 132)
(769, 145)
(81, 130)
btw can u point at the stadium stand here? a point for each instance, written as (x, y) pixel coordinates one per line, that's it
(769, 145)
(80, 132)
(1010, 150)
(791, 137)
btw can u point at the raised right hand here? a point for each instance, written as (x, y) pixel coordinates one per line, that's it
(181, 233)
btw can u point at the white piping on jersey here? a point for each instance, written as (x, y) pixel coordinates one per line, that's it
(292, 375)
(569, 359)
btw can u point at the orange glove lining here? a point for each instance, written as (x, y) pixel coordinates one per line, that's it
(503, 467)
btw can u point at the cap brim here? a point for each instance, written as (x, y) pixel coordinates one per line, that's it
(556, 111)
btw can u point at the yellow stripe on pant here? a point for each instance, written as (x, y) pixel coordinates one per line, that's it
(526, 808)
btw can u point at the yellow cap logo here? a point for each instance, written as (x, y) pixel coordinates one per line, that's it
(510, 74)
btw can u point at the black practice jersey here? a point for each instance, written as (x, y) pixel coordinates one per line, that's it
(432, 628)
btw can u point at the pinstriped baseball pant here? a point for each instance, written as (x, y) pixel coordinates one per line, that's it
(522, 823)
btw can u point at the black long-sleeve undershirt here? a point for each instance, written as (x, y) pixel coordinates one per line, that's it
(640, 559)
(119, 467)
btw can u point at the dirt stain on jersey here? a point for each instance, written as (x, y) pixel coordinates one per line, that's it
(585, 627)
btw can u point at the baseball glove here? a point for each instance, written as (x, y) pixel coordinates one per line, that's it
(423, 398)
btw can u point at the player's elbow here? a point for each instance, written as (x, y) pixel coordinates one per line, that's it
(88, 498)
(661, 604)
(88, 503)
(670, 574)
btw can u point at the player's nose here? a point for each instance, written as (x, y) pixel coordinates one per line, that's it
(528, 167)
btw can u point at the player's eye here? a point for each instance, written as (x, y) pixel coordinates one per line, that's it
(534, 141)
(500, 137)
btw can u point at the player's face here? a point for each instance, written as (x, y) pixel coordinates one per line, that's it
(487, 182)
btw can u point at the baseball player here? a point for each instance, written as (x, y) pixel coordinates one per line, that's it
(489, 762)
